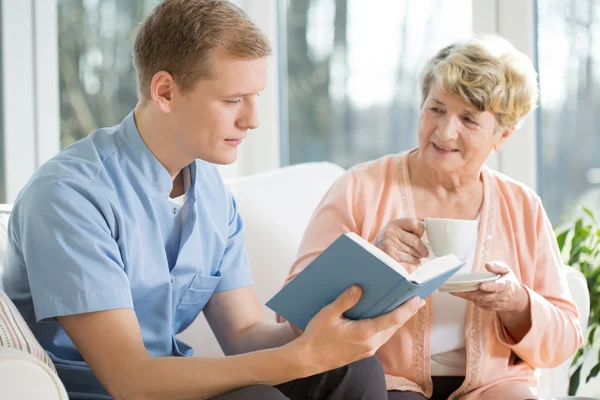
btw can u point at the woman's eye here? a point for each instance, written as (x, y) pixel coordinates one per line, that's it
(232, 101)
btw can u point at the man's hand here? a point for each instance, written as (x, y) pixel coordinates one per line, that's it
(331, 340)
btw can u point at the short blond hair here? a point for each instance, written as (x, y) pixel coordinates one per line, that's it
(179, 37)
(488, 73)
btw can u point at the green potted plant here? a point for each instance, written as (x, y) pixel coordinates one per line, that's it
(579, 244)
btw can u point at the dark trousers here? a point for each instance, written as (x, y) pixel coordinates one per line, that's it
(362, 380)
(443, 387)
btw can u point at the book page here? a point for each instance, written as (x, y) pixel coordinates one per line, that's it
(377, 252)
(434, 267)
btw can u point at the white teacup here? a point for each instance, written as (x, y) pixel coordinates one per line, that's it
(451, 236)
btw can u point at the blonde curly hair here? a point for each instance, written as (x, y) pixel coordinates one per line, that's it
(488, 73)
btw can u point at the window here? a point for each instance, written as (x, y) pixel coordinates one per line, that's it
(352, 73)
(347, 93)
(96, 74)
(569, 128)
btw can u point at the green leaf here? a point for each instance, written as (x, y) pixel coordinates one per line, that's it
(591, 214)
(595, 274)
(586, 250)
(574, 381)
(592, 335)
(593, 373)
(577, 356)
(577, 241)
(562, 238)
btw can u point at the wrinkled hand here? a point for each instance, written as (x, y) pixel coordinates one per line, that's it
(401, 240)
(331, 340)
(502, 295)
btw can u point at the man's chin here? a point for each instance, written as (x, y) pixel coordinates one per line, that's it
(222, 159)
(226, 162)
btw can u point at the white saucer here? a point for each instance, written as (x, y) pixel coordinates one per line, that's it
(457, 289)
(475, 277)
(467, 282)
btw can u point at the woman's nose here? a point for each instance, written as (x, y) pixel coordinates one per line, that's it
(448, 129)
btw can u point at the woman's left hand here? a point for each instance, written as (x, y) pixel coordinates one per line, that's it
(503, 295)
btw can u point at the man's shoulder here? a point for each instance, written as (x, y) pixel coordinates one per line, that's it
(76, 170)
(86, 157)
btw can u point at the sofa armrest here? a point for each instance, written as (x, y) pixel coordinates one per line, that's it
(555, 381)
(23, 376)
(580, 293)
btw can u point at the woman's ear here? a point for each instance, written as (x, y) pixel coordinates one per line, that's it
(501, 139)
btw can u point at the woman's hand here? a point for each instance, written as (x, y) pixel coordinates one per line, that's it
(503, 295)
(401, 240)
(506, 296)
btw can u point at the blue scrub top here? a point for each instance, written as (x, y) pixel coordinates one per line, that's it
(94, 230)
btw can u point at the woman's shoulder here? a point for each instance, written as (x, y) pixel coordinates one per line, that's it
(513, 190)
(379, 170)
(367, 180)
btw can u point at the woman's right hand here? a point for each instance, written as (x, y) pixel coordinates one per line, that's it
(401, 240)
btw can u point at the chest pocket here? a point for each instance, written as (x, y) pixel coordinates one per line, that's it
(195, 298)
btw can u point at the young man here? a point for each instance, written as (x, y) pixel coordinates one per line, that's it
(119, 241)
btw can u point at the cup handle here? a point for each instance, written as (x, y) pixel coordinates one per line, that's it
(431, 252)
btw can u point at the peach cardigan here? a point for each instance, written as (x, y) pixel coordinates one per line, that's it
(514, 229)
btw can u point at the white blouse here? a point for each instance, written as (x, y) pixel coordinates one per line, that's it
(447, 337)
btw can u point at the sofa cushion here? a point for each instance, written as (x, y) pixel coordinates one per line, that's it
(15, 334)
(23, 376)
(276, 207)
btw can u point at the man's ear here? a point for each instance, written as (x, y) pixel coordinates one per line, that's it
(502, 137)
(162, 89)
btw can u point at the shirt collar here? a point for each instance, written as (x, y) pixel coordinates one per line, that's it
(143, 158)
(186, 179)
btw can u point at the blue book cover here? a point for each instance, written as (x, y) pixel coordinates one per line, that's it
(353, 260)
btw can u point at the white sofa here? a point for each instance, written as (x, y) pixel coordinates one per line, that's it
(276, 207)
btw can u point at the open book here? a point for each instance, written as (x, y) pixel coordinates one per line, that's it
(353, 260)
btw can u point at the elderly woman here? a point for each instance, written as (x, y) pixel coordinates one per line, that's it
(484, 344)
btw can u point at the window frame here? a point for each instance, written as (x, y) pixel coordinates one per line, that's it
(30, 90)
(30, 127)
